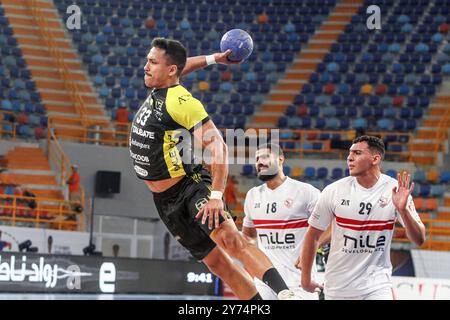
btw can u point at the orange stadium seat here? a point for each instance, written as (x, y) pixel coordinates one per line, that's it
(432, 204)
(432, 175)
(297, 172)
(203, 85)
(419, 204)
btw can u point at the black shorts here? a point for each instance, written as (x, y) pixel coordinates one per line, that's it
(178, 207)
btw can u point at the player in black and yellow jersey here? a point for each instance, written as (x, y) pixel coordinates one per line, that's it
(184, 191)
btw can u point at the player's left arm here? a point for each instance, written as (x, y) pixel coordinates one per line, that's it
(415, 230)
(212, 139)
(310, 245)
(199, 62)
(324, 239)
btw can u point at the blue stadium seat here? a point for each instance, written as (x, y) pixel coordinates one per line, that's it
(420, 176)
(228, 120)
(437, 190)
(444, 177)
(217, 119)
(310, 172)
(283, 122)
(287, 169)
(322, 172)
(236, 109)
(249, 109)
(425, 190)
(336, 173)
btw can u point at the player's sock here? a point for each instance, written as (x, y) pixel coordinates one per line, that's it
(273, 279)
(257, 296)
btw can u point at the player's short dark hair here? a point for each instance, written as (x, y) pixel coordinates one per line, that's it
(175, 52)
(375, 144)
(273, 147)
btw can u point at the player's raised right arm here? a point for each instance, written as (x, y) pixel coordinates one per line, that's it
(200, 62)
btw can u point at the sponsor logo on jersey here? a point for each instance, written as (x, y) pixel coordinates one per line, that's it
(345, 202)
(140, 171)
(363, 244)
(139, 144)
(200, 203)
(257, 205)
(139, 157)
(315, 216)
(143, 133)
(184, 98)
(158, 115)
(277, 240)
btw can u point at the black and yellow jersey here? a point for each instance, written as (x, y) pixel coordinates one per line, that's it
(155, 133)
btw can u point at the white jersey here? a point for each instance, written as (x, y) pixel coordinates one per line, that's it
(362, 228)
(280, 217)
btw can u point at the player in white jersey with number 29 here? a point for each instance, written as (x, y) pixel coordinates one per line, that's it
(276, 217)
(362, 210)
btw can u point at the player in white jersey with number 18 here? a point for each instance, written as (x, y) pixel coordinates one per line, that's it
(276, 217)
(362, 210)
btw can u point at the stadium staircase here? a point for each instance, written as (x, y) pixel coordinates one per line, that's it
(29, 168)
(444, 211)
(60, 78)
(432, 136)
(305, 64)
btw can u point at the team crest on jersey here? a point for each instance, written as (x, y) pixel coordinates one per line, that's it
(200, 203)
(383, 201)
(288, 202)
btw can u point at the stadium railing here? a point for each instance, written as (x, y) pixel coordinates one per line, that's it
(437, 233)
(301, 142)
(48, 213)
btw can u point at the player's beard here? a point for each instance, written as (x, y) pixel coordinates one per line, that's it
(266, 177)
(269, 174)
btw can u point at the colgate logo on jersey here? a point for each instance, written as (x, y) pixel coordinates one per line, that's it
(276, 238)
(364, 242)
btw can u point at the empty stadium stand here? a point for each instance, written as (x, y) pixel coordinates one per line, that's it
(316, 72)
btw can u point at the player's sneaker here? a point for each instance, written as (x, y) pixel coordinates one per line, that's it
(288, 295)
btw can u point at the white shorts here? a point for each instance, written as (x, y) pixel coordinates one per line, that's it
(381, 294)
(268, 294)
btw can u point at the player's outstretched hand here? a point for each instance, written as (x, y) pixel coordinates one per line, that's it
(211, 211)
(221, 57)
(401, 193)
